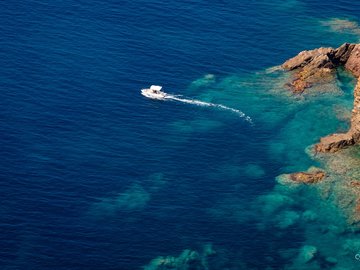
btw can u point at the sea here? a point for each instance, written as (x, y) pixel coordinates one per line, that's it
(93, 175)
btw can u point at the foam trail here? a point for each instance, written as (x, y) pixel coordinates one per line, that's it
(208, 104)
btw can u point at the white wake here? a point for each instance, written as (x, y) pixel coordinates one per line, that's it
(208, 104)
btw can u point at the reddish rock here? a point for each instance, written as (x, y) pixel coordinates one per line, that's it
(355, 184)
(336, 142)
(342, 54)
(353, 61)
(318, 65)
(311, 67)
(298, 86)
(307, 177)
(357, 207)
(304, 57)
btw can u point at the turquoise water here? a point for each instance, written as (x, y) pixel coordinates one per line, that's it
(96, 176)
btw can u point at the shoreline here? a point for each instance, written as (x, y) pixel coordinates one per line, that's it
(316, 68)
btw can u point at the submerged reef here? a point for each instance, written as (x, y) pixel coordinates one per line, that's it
(187, 260)
(134, 198)
(342, 25)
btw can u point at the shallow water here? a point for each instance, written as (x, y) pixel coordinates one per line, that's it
(95, 176)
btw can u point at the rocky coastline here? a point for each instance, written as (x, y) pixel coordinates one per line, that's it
(315, 68)
(318, 66)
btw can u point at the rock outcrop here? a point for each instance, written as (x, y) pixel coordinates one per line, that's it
(312, 176)
(353, 62)
(307, 177)
(319, 66)
(336, 142)
(310, 67)
(343, 181)
(304, 58)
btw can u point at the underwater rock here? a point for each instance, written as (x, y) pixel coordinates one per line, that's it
(342, 25)
(134, 198)
(307, 253)
(187, 260)
(309, 215)
(331, 260)
(273, 69)
(305, 259)
(254, 171)
(343, 183)
(351, 246)
(342, 113)
(273, 202)
(287, 219)
(205, 81)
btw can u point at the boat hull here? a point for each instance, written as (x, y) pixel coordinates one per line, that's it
(149, 94)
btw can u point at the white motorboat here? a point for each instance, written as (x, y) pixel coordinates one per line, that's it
(154, 92)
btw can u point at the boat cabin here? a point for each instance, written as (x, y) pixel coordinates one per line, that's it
(155, 88)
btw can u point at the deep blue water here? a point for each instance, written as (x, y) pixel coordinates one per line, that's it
(95, 176)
